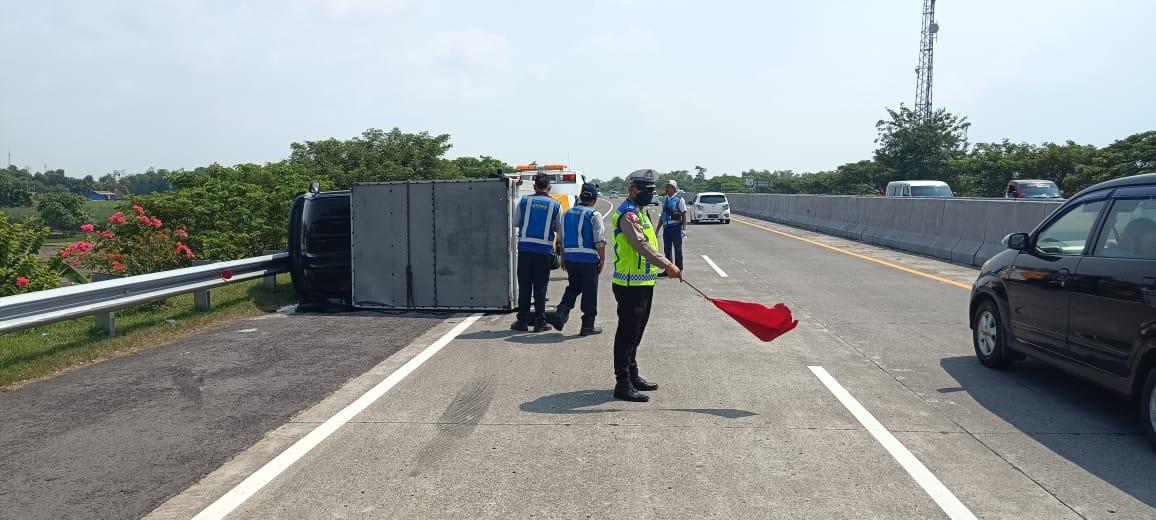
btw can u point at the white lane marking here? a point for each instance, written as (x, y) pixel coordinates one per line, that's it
(715, 266)
(248, 487)
(924, 477)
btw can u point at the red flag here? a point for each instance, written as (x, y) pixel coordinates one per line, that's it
(766, 323)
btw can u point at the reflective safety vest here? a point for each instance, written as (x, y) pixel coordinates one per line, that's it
(537, 229)
(630, 267)
(670, 213)
(578, 235)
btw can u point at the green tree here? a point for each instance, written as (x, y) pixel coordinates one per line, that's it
(726, 184)
(232, 213)
(14, 191)
(20, 269)
(1132, 155)
(479, 167)
(376, 156)
(862, 178)
(63, 211)
(919, 149)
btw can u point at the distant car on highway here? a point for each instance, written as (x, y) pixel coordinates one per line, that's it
(1031, 189)
(710, 205)
(1079, 293)
(918, 189)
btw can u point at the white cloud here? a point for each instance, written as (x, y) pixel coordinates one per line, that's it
(455, 66)
(344, 9)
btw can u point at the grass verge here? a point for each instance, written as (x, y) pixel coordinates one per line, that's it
(32, 354)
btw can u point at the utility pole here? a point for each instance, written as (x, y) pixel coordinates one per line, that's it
(926, 58)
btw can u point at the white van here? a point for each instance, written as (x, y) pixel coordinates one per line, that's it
(918, 189)
(710, 205)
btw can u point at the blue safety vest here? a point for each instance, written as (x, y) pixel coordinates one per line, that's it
(670, 210)
(578, 238)
(538, 212)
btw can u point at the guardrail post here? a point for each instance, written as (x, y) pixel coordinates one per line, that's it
(271, 280)
(202, 300)
(106, 321)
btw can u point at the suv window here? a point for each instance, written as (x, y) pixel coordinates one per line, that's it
(1129, 230)
(1068, 235)
(930, 191)
(712, 199)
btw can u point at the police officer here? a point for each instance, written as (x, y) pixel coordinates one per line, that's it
(583, 254)
(538, 218)
(636, 265)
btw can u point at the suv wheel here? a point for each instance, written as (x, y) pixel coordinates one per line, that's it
(988, 336)
(1148, 407)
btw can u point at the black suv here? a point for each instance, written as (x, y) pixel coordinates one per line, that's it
(1079, 293)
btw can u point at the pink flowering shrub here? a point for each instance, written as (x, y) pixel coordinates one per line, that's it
(137, 246)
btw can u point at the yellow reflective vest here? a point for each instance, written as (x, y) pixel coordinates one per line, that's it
(630, 267)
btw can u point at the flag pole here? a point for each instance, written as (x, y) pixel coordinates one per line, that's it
(695, 289)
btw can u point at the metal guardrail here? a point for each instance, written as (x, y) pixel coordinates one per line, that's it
(102, 298)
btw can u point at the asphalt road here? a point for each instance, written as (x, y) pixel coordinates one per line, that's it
(874, 407)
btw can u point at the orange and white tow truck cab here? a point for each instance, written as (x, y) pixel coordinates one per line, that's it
(565, 184)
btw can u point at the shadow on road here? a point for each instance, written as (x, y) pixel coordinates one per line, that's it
(1088, 425)
(579, 402)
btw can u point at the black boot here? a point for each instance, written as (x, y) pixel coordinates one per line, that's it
(540, 325)
(641, 384)
(520, 325)
(626, 392)
(590, 330)
(558, 319)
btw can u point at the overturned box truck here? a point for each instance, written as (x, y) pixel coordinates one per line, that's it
(411, 245)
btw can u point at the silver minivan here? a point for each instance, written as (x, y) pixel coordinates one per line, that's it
(918, 189)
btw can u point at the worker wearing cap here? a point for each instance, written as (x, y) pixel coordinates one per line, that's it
(583, 254)
(538, 218)
(673, 223)
(636, 265)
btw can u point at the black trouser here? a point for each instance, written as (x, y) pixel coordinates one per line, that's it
(583, 280)
(672, 238)
(633, 313)
(533, 273)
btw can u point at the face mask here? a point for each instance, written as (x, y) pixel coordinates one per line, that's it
(644, 196)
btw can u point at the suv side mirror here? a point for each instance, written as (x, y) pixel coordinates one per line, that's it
(1016, 241)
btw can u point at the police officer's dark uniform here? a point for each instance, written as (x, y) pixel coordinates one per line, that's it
(583, 254)
(538, 219)
(636, 265)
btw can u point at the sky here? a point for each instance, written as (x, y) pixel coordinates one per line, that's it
(607, 86)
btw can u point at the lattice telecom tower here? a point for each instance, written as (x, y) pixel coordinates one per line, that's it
(926, 57)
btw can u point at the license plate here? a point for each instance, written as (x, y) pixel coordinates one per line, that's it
(713, 215)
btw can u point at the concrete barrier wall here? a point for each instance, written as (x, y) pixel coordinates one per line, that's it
(967, 231)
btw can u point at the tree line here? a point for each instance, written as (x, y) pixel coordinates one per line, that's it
(936, 148)
(239, 211)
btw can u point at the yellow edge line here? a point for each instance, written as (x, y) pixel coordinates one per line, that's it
(857, 255)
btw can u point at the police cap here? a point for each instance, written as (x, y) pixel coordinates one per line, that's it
(644, 178)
